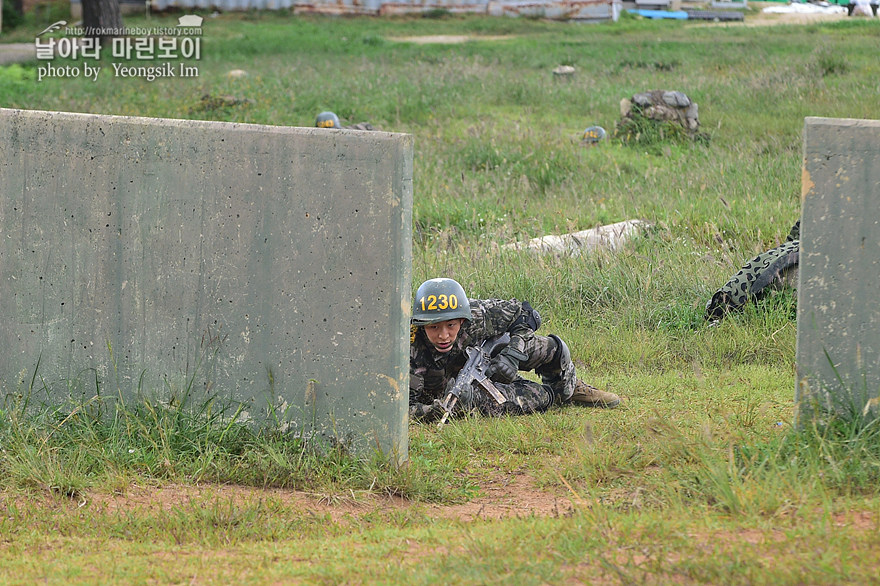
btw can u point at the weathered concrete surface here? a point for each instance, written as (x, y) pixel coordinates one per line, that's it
(838, 325)
(269, 265)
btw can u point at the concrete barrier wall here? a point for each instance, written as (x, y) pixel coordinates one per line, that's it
(269, 266)
(838, 322)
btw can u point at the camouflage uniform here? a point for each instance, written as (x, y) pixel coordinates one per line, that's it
(765, 270)
(431, 371)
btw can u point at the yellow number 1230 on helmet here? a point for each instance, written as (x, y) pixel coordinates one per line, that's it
(439, 300)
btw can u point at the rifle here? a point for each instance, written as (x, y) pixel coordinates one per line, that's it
(474, 373)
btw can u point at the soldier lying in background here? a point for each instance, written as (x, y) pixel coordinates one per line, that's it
(768, 270)
(331, 120)
(445, 323)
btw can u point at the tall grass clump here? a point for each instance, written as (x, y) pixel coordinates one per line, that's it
(70, 447)
(662, 462)
(812, 463)
(654, 135)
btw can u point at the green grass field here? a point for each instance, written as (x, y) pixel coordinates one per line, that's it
(699, 477)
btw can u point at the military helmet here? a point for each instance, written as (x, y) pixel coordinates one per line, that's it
(327, 120)
(439, 300)
(594, 134)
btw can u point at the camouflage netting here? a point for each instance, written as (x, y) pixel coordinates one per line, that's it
(658, 115)
(770, 270)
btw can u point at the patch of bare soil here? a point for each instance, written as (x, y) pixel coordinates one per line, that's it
(504, 496)
(511, 495)
(514, 495)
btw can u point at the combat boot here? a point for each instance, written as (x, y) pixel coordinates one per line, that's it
(589, 396)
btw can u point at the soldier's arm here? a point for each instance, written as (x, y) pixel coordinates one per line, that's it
(510, 316)
(522, 336)
(418, 408)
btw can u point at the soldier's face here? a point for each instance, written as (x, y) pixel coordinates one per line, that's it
(443, 334)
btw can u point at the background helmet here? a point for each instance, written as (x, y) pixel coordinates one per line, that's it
(327, 120)
(594, 134)
(439, 300)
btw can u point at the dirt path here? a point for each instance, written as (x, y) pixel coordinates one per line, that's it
(16, 52)
(513, 495)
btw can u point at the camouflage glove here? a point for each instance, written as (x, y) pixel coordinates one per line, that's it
(505, 366)
(427, 412)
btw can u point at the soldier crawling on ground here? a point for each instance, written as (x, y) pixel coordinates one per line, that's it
(331, 120)
(445, 322)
